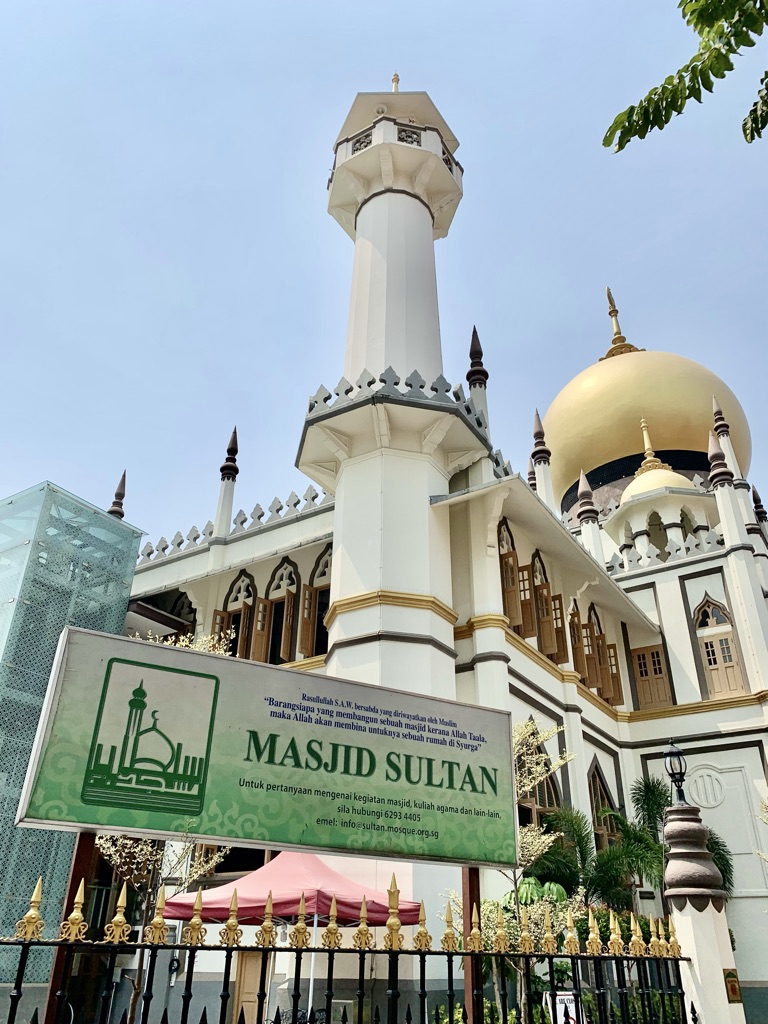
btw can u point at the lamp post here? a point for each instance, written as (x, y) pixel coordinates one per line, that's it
(676, 766)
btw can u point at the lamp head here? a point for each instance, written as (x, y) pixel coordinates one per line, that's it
(676, 767)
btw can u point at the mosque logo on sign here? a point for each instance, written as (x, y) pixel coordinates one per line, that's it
(151, 745)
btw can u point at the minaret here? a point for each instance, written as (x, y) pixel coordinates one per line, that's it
(394, 189)
(540, 457)
(741, 487)
(477, 376)
(586, 514)
(229, 470)
(390, 444)
(743, 577)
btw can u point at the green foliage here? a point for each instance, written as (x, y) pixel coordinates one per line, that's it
(529, 891)
(724, 28)
(723, 859)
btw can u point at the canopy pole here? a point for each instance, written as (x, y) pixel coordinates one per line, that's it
(312, 967)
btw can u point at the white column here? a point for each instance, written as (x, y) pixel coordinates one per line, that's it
(393, 315)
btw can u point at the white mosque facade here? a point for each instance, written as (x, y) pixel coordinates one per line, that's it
(616, 588)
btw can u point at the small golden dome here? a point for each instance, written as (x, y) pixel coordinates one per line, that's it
(654, 480)
(593, 421)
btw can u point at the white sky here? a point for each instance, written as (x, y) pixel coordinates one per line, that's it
(167, 267)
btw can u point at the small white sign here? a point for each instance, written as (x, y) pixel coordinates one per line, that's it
(566, 1008)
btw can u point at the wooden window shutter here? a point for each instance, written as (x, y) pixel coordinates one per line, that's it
(590, 656)
(308, 624)
(220, 623)
(246, 613)
(652, 678)
(613, 662)
(544, 619)
(606, 684)
(527, 608)
(510, 588)
(286, 652)
(262, 621)
(561, 642)
(577, 646)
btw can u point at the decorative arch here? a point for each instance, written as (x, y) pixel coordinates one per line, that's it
(538, 568)
(285, 577)
(709, 613)
(505, 538)
(235, 618)
(600, 799)
(275, 617)
(512, 582)
(321, 571)
(688, 522)
(657, 535)
(183, 609)
(315, 601)
(242, 590)
(546, 797)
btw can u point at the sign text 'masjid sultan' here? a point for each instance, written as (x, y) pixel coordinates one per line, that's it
(144, 738)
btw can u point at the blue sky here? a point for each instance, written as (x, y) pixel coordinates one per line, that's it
(168, 269)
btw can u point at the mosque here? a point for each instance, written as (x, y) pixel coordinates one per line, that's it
(617, 588)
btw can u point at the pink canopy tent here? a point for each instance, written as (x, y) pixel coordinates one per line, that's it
(287, 876)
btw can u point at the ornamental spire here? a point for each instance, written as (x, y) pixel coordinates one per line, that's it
(587, 512)
(619, 344)
(229, 468)
(719, 473)
(116, 508)
(721, 426)
(650, 461)
(540, 451)
(477, 374)
(760, 513)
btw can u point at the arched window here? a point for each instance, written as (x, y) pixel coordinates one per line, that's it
(273, 625)
(510, 582)
(687, 522)
(603, 825)
(717, 645)
(540, 801)
(315, 600)
(545, 620)
(608, 684)
(236, 616)
(657, 536)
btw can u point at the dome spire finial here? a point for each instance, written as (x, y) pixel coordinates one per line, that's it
(229, 468)
(650, 461)
(477, 375)
(619, 343)
(116, 508)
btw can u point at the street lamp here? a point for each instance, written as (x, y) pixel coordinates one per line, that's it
(676, 766)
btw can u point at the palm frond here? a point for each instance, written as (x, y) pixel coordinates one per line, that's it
(723, 859)
(607, 878)
(650, 798)
(576, 829)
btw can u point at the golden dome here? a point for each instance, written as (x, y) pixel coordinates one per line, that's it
(593, 420)
(654, 480)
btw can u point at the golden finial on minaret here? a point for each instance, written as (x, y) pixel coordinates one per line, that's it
(265, 936)
(393, 939)
(30, 927)
(118, 928)
(75, 927)
(650, 461)
(231, 933)
(194, 933)
(395, 82)
(619, 343)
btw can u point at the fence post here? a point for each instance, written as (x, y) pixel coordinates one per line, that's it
(693, 886)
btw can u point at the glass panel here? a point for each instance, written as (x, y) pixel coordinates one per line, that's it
(709, 650)
(656, 662)
(725, 651)
(642, 665)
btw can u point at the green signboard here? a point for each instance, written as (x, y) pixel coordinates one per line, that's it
(144, 738)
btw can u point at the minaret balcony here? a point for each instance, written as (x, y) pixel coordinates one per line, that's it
(392, 155)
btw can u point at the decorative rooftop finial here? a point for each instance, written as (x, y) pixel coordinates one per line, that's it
(531, 475)
(721, 426)
(230, 469)
(762, 515)
(650, 461)
(619, 343)
(540, 451)
(477, 374)
(719, 473)
(395, 82)
(116, 508)
(586, 511)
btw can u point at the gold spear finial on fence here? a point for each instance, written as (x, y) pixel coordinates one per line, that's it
(75, 927)
(332, 936)
(615, 942)
(549, 942)
(475, 937)
(231, 933)
(30, 927)
(118, 929)
(393, 939)
(674, 945)
(299, 936)
(654, 946)
(594, 945)
(156, 931)
(194, 933)
(664, 945)
(363, 939)
(636, 943)
(449, 941)
(571, 944)
(500, 939)
(525, 942)
(422, 940)
(266, 935)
